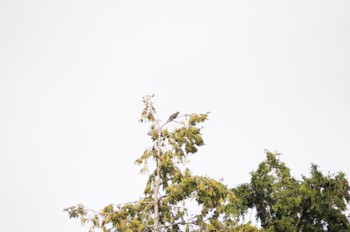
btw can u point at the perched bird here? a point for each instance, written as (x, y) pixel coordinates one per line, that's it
(173, 116)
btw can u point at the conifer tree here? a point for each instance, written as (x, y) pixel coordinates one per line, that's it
(283, 203)
(170, 186)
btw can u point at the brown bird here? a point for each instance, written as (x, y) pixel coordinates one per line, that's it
(173, 116)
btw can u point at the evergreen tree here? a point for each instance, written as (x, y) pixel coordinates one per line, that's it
(170, 185)
(282, 203)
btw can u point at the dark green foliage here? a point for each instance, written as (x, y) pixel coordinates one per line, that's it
(317, 203)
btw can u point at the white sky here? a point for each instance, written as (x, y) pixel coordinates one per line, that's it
(273, 74)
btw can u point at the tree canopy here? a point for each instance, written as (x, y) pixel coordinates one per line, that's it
(170, 186)
(281, 202)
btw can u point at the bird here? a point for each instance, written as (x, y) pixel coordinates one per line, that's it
(173, 116)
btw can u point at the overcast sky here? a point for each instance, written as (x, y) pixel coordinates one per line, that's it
(274, 75)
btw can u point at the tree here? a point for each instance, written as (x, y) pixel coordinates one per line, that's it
(282, 203)
(170, 185)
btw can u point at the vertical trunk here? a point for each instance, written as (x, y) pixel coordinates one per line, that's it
(156, 200)
(302, 215)
(156, 186)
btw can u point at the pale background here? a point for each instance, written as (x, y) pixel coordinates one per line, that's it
(273, 74)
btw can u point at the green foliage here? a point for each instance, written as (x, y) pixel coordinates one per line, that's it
(317, 203)
(170, 186)
(282, 203)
